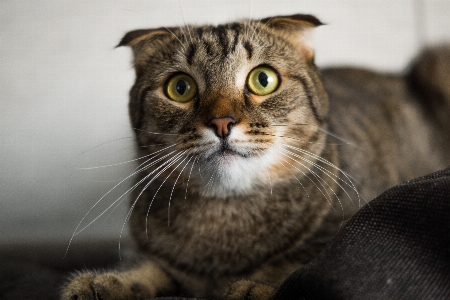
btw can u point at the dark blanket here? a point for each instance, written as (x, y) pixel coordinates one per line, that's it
(397, 247)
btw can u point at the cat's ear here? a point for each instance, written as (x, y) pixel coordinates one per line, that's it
(136, 39)
(132, 38)
(297, 28)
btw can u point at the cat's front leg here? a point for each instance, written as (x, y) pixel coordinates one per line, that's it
(144, 281)
(264, 282)
(249, 290)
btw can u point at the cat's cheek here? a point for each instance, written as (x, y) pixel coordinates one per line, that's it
(238, 134)
(258, 100)
(209, 137)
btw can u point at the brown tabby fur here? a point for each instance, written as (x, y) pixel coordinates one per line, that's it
(233, 225)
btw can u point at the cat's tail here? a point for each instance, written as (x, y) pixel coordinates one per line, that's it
(430, 79)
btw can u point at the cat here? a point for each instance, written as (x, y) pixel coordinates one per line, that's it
(252, 158)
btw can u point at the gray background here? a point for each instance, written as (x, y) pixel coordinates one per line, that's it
(64, 92)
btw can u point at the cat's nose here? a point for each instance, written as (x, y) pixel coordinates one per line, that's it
(222, 125)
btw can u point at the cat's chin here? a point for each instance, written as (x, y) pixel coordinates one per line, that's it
(225, 156)
(229, 173)
(228, 154)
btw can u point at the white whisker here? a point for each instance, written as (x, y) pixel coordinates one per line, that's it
(298, 180)
(167, 164)
(211, 179)
(325, 171)
(76, 231)
(337, 137)
(152, 132)
(181, 44)
(154, 155)
(299, 140)
(349, 183)
(309, 178)
(189, 177)
(200, 171)
(319, 179)
(164, 181)
(249, 21)
(184, 20)
(321, 129)
(140, 170)
(125, 162)
(173, 188)
(108, 142)
(254, 29)
(123, 195)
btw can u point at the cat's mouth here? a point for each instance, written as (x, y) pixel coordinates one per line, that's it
(229, 153)
(226, 151)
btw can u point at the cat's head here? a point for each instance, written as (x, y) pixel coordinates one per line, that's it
(235, 103)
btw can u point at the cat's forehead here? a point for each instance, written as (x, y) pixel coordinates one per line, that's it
(220, 42)
(226, 47)
(227, 36)
(282, 40)
(223, 53)
(220, 56)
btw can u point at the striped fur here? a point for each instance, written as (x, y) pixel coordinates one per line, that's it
(230, 213)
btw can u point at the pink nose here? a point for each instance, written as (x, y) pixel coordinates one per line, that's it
(222, 125)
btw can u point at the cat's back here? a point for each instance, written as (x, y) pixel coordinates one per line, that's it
(384, 126)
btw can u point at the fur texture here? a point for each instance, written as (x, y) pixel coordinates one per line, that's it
(236, 190)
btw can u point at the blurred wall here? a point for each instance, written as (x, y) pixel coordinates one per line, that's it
(64, 92)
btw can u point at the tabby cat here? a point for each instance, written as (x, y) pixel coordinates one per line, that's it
(251, 158)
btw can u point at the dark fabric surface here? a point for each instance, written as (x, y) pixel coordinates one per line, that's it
(398, 247)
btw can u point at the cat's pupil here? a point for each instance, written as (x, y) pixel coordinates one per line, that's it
(181, 86)
(263, 79)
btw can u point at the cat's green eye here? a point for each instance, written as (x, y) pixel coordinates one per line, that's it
(262, 80)
(181, 88)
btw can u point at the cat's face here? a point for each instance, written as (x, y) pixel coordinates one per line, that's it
(228, 106)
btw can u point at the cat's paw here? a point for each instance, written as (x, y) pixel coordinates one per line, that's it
(249, 290)
(106, 286)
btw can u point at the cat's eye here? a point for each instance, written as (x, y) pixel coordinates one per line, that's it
(181, 88)
(262, 80)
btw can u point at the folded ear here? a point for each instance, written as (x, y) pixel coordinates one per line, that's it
(297, 28)
(136, 36)
(138, 40)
